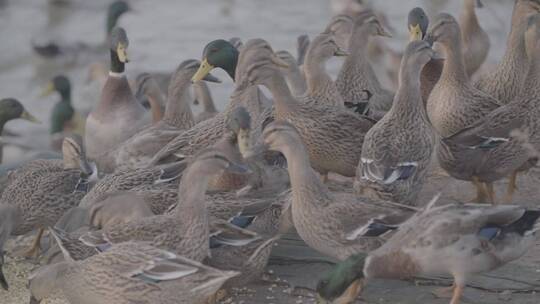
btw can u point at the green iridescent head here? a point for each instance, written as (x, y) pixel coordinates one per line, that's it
(343, 283)
(217, 54)
(116, 9)
(11, 108)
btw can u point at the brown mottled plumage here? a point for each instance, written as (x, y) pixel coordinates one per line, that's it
(506, 82)
(454, 103)
(476, 42)
(397, 150)
(333, 224)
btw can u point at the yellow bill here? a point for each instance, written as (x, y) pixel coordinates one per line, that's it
(27, 116)
(279, 62)
(121, 51)
(48, 90)
(203, 70)
(415, 33)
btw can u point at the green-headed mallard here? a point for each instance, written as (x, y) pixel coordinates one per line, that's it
(397, 150)
(118, 115)
(457, 240)
(11, 108)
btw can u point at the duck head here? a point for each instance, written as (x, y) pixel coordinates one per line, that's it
(343, 283)
(217, 54)
(417, 24)
(60, 84)
(11, 108)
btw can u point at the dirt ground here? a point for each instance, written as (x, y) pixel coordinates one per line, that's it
(294, 268)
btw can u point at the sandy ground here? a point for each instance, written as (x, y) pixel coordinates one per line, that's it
(294, 269)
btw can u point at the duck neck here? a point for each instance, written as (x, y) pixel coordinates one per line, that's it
(454, 66)
(178, 112)
(117, 66)
(468, 18)
(205, 98)
(284, 102)
(192, 200)
(317, 78)
(408, 101)
(356, 69)
(532, 81)
(306, 185)
(156, 106)
(515, 57)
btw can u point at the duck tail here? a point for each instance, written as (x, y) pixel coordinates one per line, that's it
(526, 224)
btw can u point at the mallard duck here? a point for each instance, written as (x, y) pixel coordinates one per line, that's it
(118, 115)
(321, 89)
(72, 53)
(356, 74)
(333, 136)
(397, 150)
(185, 231)
(476, 42)
(457, 240)
(149, 94)
(218, 53)
(11, 108)
(454, 103)
(141, 147)
(348, 220)
(203, 97)
(136, 271)
(505, 83)
(417, 24)
(488, 150)
(65, 120)
(39, 193)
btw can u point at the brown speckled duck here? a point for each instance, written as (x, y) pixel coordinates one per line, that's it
(336, 225)
(476, 42)
(397, 150)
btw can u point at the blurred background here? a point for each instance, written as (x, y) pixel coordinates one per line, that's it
(163, 33)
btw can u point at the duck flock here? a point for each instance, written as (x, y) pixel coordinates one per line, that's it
(153, 204)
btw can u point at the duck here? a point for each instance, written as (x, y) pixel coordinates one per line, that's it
(317, 125)
(397, 171)
(38, 194)
(81, 52)
(321, 89)
(489, 149)
(133, 271)
(222, 54)
(139, 149)
(10, 109)
(185, 231)
(454, 103)
(204, 97)
(476, 43)
(65, 119)
(348, 219)
(505, 83)
(118, 115)
(302, 45)
(458, 240)
(356, 73)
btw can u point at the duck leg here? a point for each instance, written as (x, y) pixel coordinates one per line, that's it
(512, 187)
(444, 292)
(481, 192)
(33, 252)
(490, 193)
(458, 293)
